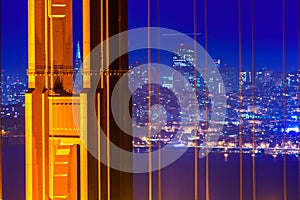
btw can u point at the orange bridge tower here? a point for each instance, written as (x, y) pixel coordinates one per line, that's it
(58, 165)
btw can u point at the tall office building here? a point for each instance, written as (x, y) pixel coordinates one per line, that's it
(77, 77)
(246, 77)
(167, 81)
(58, 164)
(78, 59)
(292, 79)
(217, 62)
(183, 62)
(263, 77)
(230, 78)
(183, 57)
(277, 79)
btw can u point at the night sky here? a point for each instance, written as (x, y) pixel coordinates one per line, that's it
(178, 15)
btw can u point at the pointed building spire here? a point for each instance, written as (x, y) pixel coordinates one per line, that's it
(78, 55)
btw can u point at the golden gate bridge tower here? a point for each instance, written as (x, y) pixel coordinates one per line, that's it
(58, 165)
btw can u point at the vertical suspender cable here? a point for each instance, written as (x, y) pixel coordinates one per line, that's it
(284, 99)
(253, 107)
(1, 181)
(159, 196)
(195, 102)
(298, 97)
(149, 105)
(99, 99)
(206, 102)
(240, 98)
(107, 97)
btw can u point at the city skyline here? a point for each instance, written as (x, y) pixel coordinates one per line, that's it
(224, 126)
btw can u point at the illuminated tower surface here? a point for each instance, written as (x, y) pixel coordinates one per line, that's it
(58, 165)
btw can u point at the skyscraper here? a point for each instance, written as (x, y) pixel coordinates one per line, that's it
(246, 77)
(183, 62)
(77, 77)
(230, 78)
(78, 59)
(263, 77)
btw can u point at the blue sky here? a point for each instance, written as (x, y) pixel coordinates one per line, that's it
(178, 15)
(223, 28)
